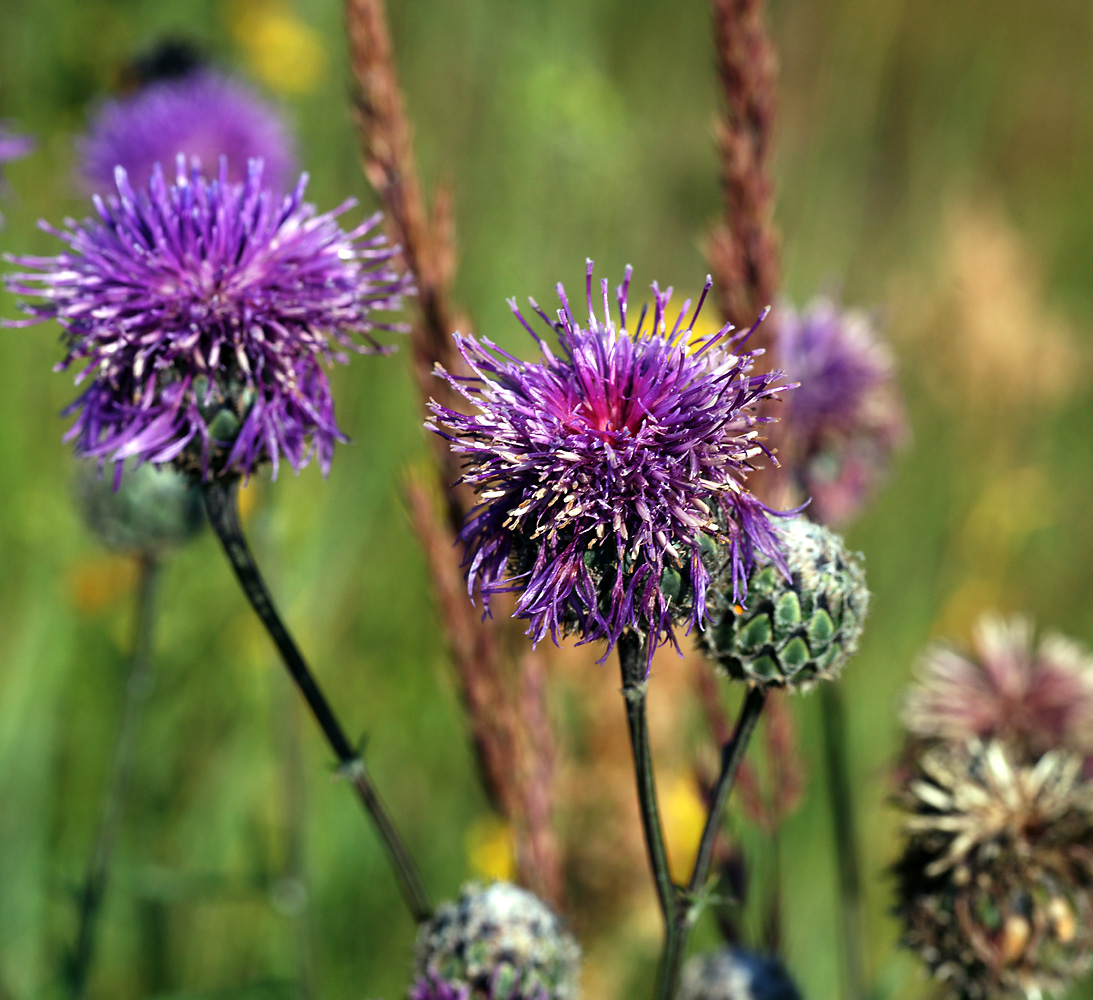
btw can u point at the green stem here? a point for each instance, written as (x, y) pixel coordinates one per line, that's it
(632, 663)
(137, 688)
(221, 503)
(836, 765)
(732, 755)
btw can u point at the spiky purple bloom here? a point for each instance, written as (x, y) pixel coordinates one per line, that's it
(203, 313)
(840, 428)
(204, 116)
(606, 470)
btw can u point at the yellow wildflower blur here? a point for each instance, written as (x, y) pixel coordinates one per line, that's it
(279, 49)
(490, 849)
(684, 816)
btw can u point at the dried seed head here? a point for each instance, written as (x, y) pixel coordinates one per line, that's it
(995, 878)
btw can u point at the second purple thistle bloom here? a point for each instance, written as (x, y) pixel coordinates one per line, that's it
(203, 313)
(611, 471)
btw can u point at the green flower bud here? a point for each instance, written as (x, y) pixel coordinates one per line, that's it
(153, 509)
(792, 632)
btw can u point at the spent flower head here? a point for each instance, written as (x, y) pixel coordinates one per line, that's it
(496, 942)
(840, 428)
(1038, 696)
(203, 313)
(203, 116)
(610, 468)
(995, 880)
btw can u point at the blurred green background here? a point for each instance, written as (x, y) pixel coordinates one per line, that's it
(933, 160)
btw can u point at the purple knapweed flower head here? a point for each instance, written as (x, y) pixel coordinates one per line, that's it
(840, 428)
(203, 116)
(610, 468)
(1036, 696)
(203, 314)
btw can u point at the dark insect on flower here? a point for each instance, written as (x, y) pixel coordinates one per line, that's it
(203, 313)
(203, 116)
(840, 428)
(733, 974)
(995, 879)
(610, 468)
(496, 942)
(1038, 696)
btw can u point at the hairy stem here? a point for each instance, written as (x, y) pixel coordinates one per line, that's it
(221, 503)
(137, 688)
(846, 840)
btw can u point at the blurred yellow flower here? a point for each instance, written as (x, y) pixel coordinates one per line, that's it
(684, 816)
(490, 849)
(279, 49)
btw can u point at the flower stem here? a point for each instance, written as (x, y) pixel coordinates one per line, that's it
(221, 503)
(732, 755)
(833, 714)
(137, 688)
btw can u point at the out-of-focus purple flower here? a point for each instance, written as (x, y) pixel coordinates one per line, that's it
(202, 313)
(204, 116)
(840, 428)
(609, 467)
(1037, 697)
(12, 145)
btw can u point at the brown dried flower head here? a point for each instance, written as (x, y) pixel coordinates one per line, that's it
(995, 878)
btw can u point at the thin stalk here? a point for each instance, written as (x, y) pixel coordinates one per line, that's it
(732, 755)
(137, 689)
(836, 765)
(221, 503)
(632, 662)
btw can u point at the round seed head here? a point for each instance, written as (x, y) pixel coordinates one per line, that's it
(795, 629)
(994, 882)
(496, 942)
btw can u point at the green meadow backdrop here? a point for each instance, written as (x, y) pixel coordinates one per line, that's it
(933, 162)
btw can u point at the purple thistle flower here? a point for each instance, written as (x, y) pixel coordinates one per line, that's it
(841, 426)
(203, 313)
(607, 470)
(202, 116)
